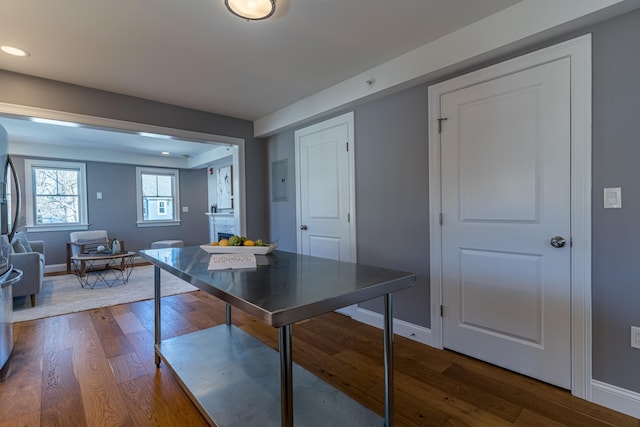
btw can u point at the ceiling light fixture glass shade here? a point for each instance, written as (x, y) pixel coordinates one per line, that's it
(252, 10)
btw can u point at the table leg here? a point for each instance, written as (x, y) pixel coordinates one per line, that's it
(286, 376)
(156, 294)
(388, 360)
(228, 314)
(68, 258)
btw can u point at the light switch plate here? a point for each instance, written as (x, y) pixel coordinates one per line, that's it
(613, 198)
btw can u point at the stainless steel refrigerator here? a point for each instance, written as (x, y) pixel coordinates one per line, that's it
(8, 221)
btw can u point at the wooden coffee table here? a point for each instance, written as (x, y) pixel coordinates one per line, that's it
(107, 269)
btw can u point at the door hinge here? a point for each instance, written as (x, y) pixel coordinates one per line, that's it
(440, 120)
(441, 218)
(441, 310)
(347, 145)
(349, 217)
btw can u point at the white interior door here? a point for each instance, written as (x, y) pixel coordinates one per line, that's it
(325, 190)
(505, 185)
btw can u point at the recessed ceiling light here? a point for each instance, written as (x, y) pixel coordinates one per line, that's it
(165, 153)
(12, 50)
(154, 135)
(54, 122)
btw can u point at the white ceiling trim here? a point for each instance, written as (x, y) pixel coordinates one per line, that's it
(500, 30)
(25, 111)
(27, 149)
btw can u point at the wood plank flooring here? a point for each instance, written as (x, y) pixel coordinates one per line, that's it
(96, 368)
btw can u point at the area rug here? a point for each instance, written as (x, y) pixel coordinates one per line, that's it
(63, 294)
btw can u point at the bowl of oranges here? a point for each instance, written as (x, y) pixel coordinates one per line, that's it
(239, 245)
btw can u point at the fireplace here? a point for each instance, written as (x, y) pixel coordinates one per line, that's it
(221, 226)
(224, 236)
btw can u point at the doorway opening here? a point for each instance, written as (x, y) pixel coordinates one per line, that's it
(197, 149)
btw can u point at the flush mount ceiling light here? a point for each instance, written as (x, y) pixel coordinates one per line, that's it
(12, 50)
(251, 10)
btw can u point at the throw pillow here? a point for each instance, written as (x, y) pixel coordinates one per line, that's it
(22, 237)
(18, 248)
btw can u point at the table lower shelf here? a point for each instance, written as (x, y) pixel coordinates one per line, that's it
(234, 380)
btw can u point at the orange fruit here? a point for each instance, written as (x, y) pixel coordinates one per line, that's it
(223, 242)
(249, 243)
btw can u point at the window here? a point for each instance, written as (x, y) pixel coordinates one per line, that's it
(58, 196)
(158, 201)
(162, 207)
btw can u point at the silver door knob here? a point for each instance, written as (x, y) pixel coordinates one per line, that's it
(558, 241)
(303, 227)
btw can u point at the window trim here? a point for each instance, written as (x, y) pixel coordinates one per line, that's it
(141, 222)
(30, 205)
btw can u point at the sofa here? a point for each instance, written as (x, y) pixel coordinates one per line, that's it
(28, 256)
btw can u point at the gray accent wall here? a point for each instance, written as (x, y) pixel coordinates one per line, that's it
(116, 212)
(616, 232)
(282, 214)
(392, 182)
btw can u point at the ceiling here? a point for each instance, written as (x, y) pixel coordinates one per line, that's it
(196, 54)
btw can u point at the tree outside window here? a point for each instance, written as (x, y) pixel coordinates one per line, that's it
(57, 200)
(58, 194)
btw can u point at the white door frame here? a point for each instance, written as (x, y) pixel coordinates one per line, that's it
(348, 119)
(579, 52)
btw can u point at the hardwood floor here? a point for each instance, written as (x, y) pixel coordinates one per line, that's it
(96, 368)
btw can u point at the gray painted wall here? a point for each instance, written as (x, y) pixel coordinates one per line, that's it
(391, 185)
(391, 157)
(282, 223)
(30, 91)
(616, 233)
(116, 211)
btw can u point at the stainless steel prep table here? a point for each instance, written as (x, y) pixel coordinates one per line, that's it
(223, 362)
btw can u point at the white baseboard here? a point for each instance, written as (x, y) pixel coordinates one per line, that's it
(400, 327)
(616, 398)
